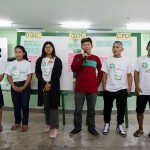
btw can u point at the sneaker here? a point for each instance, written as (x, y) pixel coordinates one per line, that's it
(119, 129)
(53, 133)
(106, 128)
(47, 128)
(94, 132)
(74, 131)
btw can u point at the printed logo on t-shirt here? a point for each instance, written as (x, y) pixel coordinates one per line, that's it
(112, 66)
(144, 65)
(47, 70)
(78, 59)
(21, 72)
(117, 74)
(16, 74)
(43, 64)
(14, 68)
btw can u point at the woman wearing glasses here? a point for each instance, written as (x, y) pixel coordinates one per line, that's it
(48, 71)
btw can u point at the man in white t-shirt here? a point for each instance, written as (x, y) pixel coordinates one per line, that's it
(117, 84)
(142, 88)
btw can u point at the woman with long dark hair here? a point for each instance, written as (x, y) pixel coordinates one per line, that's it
(19, 74)
(48, 71)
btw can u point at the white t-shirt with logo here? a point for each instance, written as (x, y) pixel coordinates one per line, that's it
(19, 70)
(143, 67)
(117, 70)
(47, 67)
(2, 68)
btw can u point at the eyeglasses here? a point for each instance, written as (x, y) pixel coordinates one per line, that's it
(48, 47)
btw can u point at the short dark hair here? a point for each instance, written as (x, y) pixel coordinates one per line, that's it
(43, 49)
(118, 43)
(148, 43)
(86, 40)
(24, 51)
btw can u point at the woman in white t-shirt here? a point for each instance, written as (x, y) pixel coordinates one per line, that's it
(48, 71)
(19, 74)
(2, 71)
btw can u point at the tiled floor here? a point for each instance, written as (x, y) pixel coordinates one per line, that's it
(36, 139)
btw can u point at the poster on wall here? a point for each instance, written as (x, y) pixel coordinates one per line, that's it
(67, 48)
(3, 49)
(3, 58)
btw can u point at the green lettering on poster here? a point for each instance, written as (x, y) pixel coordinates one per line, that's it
(126, 43)
(74, 45)
(32, 47)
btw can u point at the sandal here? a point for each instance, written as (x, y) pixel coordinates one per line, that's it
(53, 133)
(1, 128)
(24, 128)
(16, 126)
(47, 128)
(138, 133)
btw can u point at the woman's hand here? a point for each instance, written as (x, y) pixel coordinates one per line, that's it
(15, 88)
(47, 87)
(21, 89)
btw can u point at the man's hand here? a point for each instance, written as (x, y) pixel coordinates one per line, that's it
(128, 90)
(138, 91)
(84, 55)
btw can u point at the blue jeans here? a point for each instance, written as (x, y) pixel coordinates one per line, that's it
(21, 102)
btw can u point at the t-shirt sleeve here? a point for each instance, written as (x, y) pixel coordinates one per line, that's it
(105, 66)
(30, 68)
(2, 68)
(8, 70)
(129, 67)
(137, 65)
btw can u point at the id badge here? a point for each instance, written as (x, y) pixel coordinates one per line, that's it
(16, 74)
(117, 75)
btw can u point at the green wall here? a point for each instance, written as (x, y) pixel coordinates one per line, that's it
(69, 100)
(12, 40)
(144, 40)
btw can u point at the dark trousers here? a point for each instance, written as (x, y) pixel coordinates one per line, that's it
(121, 100)
(79, 102)
(21, 102)
(51, 115)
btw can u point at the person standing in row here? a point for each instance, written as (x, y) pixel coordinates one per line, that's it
(48, 71)
(87, 83)
(142, 88)
(117, 84)
(19, 74)
(2, 71)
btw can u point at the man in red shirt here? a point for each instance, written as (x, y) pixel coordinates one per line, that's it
(87, 83)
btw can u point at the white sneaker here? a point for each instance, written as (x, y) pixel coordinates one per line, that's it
(106, 128)
(53, 133)
(47, 128)
(119, 129)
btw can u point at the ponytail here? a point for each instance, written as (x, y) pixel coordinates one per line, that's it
(23, 49)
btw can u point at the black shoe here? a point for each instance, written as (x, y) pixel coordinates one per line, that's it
(119, 129)
(74, 131)
(94, 132)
